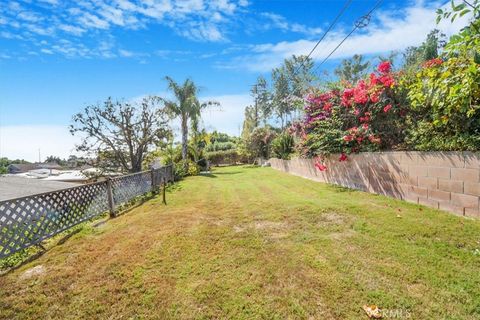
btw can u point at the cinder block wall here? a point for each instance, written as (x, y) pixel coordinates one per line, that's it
(448, 181)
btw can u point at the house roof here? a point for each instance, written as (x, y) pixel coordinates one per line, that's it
(22, 166)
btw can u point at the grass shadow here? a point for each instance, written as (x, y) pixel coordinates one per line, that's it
(227, 173)
(251, 166)
(207, 175)
(337, 188)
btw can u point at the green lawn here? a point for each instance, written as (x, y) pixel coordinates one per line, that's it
(254, 243)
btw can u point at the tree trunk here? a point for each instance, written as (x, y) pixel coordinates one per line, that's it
(184, 141)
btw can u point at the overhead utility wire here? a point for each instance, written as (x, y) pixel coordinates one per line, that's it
(330, 27)
(334, 22)
(359, 24)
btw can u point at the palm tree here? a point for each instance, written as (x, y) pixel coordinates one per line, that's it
(186, 106)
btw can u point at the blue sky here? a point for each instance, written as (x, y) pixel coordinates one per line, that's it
(59, 56)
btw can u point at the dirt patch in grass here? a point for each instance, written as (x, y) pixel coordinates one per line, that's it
(332, 219)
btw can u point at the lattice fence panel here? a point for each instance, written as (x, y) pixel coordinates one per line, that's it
(163, 174)
(29, 220)
(128, 187)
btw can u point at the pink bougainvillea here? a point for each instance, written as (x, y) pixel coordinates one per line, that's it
(347, 120)
(384, 67)
(432, 63)
(319, 164)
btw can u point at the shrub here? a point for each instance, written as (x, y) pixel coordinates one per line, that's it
(363, 117)
(445, 97)
(259, 142)
(224, 157)
(283, 146)
(219, 146)
(193, 169)
(180, 172)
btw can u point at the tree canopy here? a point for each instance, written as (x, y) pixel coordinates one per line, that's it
(122, 132)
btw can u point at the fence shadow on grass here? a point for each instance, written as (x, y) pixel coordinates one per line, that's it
(228, 173)
(207, 175)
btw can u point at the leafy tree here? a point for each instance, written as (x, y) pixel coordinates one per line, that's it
(75, 161)
(121, 132)
(186, 107)
(290, 83)
(429, 49)
(299, 74)
(250, 122)
(55, 159)
(353, 69)
(262, 100)
(221, 142)
(280, 95)
(259, 142)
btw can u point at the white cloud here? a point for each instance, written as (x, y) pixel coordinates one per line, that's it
(125, 53)
(29, 16)
(229, 118)
(24, 141)
(386, 33)
(200, 31)
(46, 51)
(197, 20)
(90, 20)
(52, 2)
(279, 22)
(72, 29)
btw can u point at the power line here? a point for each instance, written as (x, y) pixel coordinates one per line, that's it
(360, 23)
(334, 22)
(469, 4)
(330, 27)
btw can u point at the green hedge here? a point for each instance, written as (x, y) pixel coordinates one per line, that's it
(226, 157)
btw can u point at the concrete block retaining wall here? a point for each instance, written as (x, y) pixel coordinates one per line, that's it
(448, 181)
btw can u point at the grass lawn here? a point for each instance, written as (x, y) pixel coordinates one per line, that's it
(254, 243)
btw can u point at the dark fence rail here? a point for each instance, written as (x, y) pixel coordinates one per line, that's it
(29, 220)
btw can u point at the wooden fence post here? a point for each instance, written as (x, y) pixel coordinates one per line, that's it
(152, 174)
(171, 173)
(164, 186)
(111, 203)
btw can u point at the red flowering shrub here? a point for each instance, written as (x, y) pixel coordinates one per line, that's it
(432, 63)
(385, 67)
(362, 117)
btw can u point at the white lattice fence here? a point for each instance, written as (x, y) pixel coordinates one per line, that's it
(128, 187)
(29, 220)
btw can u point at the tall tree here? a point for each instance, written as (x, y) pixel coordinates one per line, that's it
(280, 94)
(250, 122)
(123, 132)
(352, 69)
(186, 107)
(299, 74)
(262, 99)
(290, 83)
(429, 49)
